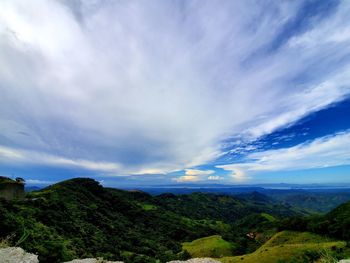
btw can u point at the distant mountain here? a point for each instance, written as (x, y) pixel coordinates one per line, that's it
(313, 198)
(313, 201)
(241, 187)
(80, 218)
(32, 188)
(203, 189)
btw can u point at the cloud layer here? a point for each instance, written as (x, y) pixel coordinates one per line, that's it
(320, 153)
(156, 86)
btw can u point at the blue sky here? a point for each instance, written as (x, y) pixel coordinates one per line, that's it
(171, 92)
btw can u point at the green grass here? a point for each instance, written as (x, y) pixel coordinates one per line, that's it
(212, 246)
(268, 217)
(293, 237)
(148, 207)
(289, 246)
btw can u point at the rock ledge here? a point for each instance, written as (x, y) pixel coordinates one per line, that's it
(16, 255)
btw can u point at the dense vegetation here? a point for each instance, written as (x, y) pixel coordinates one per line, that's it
(79, 218)
(335, 223)
(312, 201)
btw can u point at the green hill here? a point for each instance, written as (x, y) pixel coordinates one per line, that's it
(212, 246)
(339, 221)
(222, 207)
(80, 218)
(316, 202)
(323, 245)
(334, 224)
(288, 246)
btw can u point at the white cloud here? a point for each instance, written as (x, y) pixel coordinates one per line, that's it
(153, 87)
(198, 172)
(187, 178)
(195, 175)
(302, 104)
(323, 152)
(325, 34)
(215, 177)
(237, 174)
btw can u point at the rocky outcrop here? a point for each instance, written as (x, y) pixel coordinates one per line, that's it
(11, 189)
(16, 255)
(196, 260)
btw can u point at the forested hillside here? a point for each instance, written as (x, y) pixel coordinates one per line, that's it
(80, 218)
(336, 223)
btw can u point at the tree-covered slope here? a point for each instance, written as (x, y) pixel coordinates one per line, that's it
(338, 221)
(222, 207)
(80, 218)
(335, 224)
(313, 201)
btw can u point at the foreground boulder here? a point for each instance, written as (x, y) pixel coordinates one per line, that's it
(16, 255)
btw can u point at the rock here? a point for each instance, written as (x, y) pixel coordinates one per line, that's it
(92, 260)
(196, 260)
(16, 255)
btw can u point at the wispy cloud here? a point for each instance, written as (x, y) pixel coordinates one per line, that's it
(323, 152)
(157, 86)
(16, 156)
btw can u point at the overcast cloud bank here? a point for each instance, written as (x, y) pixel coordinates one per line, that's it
(152, 87)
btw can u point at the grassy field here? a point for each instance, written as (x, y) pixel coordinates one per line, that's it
(148, 207)
(268, 217)
(212, 246)
(289, 246)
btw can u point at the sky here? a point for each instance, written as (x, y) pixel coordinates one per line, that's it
(171, 92)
